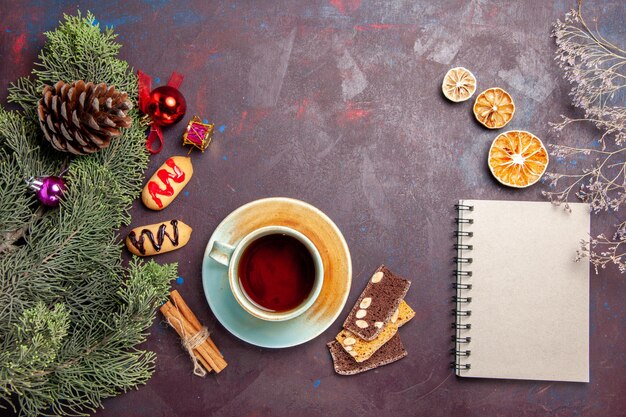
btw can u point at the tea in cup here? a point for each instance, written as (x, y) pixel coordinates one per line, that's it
(275, 272)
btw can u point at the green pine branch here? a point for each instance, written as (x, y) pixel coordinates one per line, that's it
(71, 316)
(76, 50)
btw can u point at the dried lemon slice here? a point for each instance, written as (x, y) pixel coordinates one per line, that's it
(459, 84)
(517, 158)
(494, 108)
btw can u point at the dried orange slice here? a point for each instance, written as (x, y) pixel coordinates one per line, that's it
(459, 84)
(517, 158)
(494, 108)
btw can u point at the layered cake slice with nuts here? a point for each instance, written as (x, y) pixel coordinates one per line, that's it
(377, 304)
(361, 350)
(345, 364)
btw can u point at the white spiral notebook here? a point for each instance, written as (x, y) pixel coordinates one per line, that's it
(522, 303)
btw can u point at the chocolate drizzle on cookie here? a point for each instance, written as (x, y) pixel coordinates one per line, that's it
(156, 244)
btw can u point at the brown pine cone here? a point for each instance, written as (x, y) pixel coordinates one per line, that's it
(82, 118)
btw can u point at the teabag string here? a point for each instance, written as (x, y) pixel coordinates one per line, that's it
(191, 342)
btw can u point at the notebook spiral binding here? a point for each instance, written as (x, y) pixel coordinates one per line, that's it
(462, 298)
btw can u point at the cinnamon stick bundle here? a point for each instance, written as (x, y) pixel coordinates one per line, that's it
(195, 339)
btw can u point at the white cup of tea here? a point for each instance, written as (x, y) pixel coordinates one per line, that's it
(275, 272)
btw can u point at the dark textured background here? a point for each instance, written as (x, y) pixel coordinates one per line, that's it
(338, 103)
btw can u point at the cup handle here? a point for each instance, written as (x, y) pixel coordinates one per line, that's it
(221, 252)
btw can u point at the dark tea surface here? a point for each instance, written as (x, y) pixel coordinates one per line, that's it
(277, 272)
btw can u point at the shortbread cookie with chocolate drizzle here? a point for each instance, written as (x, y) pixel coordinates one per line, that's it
(158, 238)
(378, 302)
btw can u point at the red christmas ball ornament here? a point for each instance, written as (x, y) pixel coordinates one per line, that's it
(166, 105)
(162, 106)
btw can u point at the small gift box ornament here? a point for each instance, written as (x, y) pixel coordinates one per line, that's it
(198, 134)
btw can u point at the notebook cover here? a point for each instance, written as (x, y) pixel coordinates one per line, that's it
(529, 299)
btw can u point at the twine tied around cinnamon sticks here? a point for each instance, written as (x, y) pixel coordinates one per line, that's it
(195, 337)
(191, 342)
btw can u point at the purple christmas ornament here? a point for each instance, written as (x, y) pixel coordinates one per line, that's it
(49, 189)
